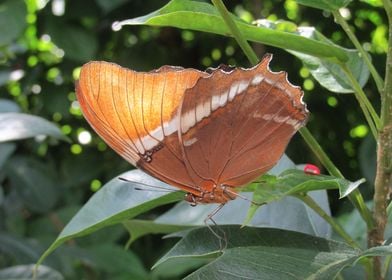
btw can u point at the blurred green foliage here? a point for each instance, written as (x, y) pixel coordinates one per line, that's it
(43, 181)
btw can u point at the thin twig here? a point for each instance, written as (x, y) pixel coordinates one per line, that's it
(355, 196)
(376, 76)
(338, 228)
(246, 48)
(370, 113)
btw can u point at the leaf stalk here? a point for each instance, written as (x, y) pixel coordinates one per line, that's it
(376, 76)
(235, 31)
(336, 226)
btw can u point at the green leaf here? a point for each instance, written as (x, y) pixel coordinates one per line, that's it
(5, 76)
(355, 226)
(116, 202)
(1, 195)
(8, 106)
(6, 150)
(175, 269)
(25, 272)
(35, 183)
(382, 251)
(374, 3)
(18, 249)
(295, 181)
(318, 53)
(194, 15)
(328, 5)
(262, 253)
(290, 182)
(279, 254)
(39, 230)
(15, 126)
(288, 213)
(139, 228)
(125, 263)
(329, 74)
(12, 20)
(349, 187)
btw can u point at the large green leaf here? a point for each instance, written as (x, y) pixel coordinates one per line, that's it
(15, 126)
(138, 228)
(318, 53)
(34, 182)
(12, 20)
(18, 249)
(8, 105)
(265, 253)
(329, 5)
(287, 213)
(125, 264)
(262, 253)
(6, 150)
(116, 202)
(194, 15)
(25, 272)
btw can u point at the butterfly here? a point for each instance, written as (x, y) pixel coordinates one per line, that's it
(206, 133)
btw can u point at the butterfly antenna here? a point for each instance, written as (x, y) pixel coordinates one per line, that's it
(231, 194)
(152, 188)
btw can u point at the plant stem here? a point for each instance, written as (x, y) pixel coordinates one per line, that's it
(383, 181)
(377, 78)
(246, 48)
(355, 196)
(338, 228)
(370, 114)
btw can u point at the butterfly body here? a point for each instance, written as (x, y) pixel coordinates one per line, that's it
(205, 133)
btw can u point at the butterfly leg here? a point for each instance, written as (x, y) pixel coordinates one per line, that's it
(222, 234)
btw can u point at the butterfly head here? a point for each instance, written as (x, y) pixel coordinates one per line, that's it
(214, 194)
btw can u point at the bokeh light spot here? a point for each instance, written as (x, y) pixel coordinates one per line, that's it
(84, 137)
(95, 185)
(359, 131)
(332, 101)
(216, 54)
(308, 84)
(57, 117)
(76, 149)
(66, 129)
